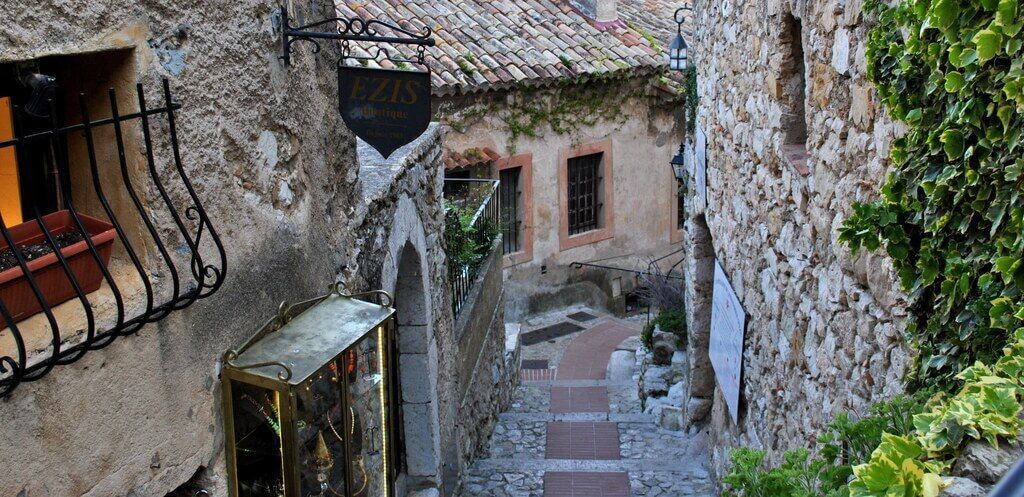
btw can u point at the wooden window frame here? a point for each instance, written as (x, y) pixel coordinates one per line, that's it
(525, 163)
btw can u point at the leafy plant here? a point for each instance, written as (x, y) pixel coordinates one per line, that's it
(846, 443)
(951, 215)
(896, 469)
(466, 244)
(668, 320)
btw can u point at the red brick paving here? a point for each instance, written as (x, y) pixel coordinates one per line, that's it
(582, 440)
(576, 484)
(579, 399)
(586, 357)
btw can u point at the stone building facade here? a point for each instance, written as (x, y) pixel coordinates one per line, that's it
(794, 135)
(524, 90)
(298, 205)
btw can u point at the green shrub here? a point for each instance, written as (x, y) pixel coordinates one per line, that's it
(668, 320)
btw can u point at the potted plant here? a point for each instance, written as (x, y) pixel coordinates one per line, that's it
(15, 291)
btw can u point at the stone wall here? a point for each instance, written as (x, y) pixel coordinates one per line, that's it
(486, 377)
(823, 327)
(277, 171)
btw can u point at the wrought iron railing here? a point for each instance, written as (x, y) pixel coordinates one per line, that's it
(476, 198)
(143, 217)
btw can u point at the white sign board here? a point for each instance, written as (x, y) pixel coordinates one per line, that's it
(728, 322)
(700, 197)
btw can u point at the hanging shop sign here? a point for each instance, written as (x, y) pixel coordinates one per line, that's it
(728, 324)
(386, 108)
(309, 402)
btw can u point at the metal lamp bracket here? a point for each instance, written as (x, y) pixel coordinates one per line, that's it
(347, 29)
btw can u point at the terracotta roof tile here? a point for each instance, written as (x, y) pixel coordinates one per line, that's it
(468, 158)
(533, 42)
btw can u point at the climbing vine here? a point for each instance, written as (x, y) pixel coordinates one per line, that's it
(951, 210)
(564, 109)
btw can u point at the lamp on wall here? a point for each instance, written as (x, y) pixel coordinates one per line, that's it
(679, 164)
(677, 58)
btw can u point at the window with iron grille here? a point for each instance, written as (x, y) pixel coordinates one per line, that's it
(584, 210)
(511, 196)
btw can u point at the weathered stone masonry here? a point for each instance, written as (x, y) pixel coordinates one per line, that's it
(823, 327)
(278, 173)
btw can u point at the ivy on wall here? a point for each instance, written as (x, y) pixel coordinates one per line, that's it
(951, 210)
(564, 109)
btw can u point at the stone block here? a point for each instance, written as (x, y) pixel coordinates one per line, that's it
(841, 52)
(419, 376)
(670, 418)
(620, 366)
(962, 487)
(655, 382)
(429, 492)
(697, 409)
(413, 339)
(665, 344)
(422, 440)
(986, 464)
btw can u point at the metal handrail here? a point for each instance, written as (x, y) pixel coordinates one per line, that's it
(461, 278)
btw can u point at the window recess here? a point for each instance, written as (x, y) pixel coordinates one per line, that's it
(585, 203)
(111, 234)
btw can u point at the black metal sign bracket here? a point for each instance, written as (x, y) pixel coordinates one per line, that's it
(346, 29)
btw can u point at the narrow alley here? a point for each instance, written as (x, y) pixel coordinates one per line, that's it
(576, 427)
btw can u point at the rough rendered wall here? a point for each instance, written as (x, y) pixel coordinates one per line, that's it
(643, 136)
(275, 167)
(823, 328)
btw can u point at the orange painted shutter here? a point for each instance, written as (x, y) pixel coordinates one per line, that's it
(10, 192)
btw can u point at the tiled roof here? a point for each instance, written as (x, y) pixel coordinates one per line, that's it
(454, 161)
(494, 44)
(653, 16)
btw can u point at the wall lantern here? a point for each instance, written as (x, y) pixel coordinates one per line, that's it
(677, 49)
(308, 399)
(679, 164)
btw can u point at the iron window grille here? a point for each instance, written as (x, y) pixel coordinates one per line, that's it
(181, 237)
(585, 205)
(511, 215)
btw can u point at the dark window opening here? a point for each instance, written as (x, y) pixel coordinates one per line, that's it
(794, 81)
(511, 199)
(585, 178)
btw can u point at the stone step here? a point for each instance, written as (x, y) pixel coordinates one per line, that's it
(676, 467)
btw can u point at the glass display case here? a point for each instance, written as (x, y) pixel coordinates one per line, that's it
(307, 402)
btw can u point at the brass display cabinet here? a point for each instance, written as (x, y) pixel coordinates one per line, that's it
(308, 402)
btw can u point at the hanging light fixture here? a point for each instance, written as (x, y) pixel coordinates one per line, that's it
(677, 49)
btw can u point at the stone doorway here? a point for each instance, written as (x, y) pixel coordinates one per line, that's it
(417, 431)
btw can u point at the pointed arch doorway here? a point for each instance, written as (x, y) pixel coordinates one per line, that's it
(415, 424)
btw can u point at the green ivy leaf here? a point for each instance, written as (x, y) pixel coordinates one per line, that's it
(954, 83)
(987, 43)
(944, 13)
(953, 144)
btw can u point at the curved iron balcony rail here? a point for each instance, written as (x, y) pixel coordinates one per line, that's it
(162, 222)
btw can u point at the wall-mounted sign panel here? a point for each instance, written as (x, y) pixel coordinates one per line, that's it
(701, 174)
(728, 323)
(386, 108)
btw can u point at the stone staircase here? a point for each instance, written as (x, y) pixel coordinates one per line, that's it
(584, 435)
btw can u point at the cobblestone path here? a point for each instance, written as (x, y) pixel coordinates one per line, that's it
(572, 432)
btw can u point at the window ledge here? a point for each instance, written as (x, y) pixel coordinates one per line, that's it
(796, 155)
(567, 241)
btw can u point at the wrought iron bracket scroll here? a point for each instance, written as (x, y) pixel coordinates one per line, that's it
(346, 29)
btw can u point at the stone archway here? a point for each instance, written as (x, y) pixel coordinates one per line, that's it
(405, 275)
(701, 384)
